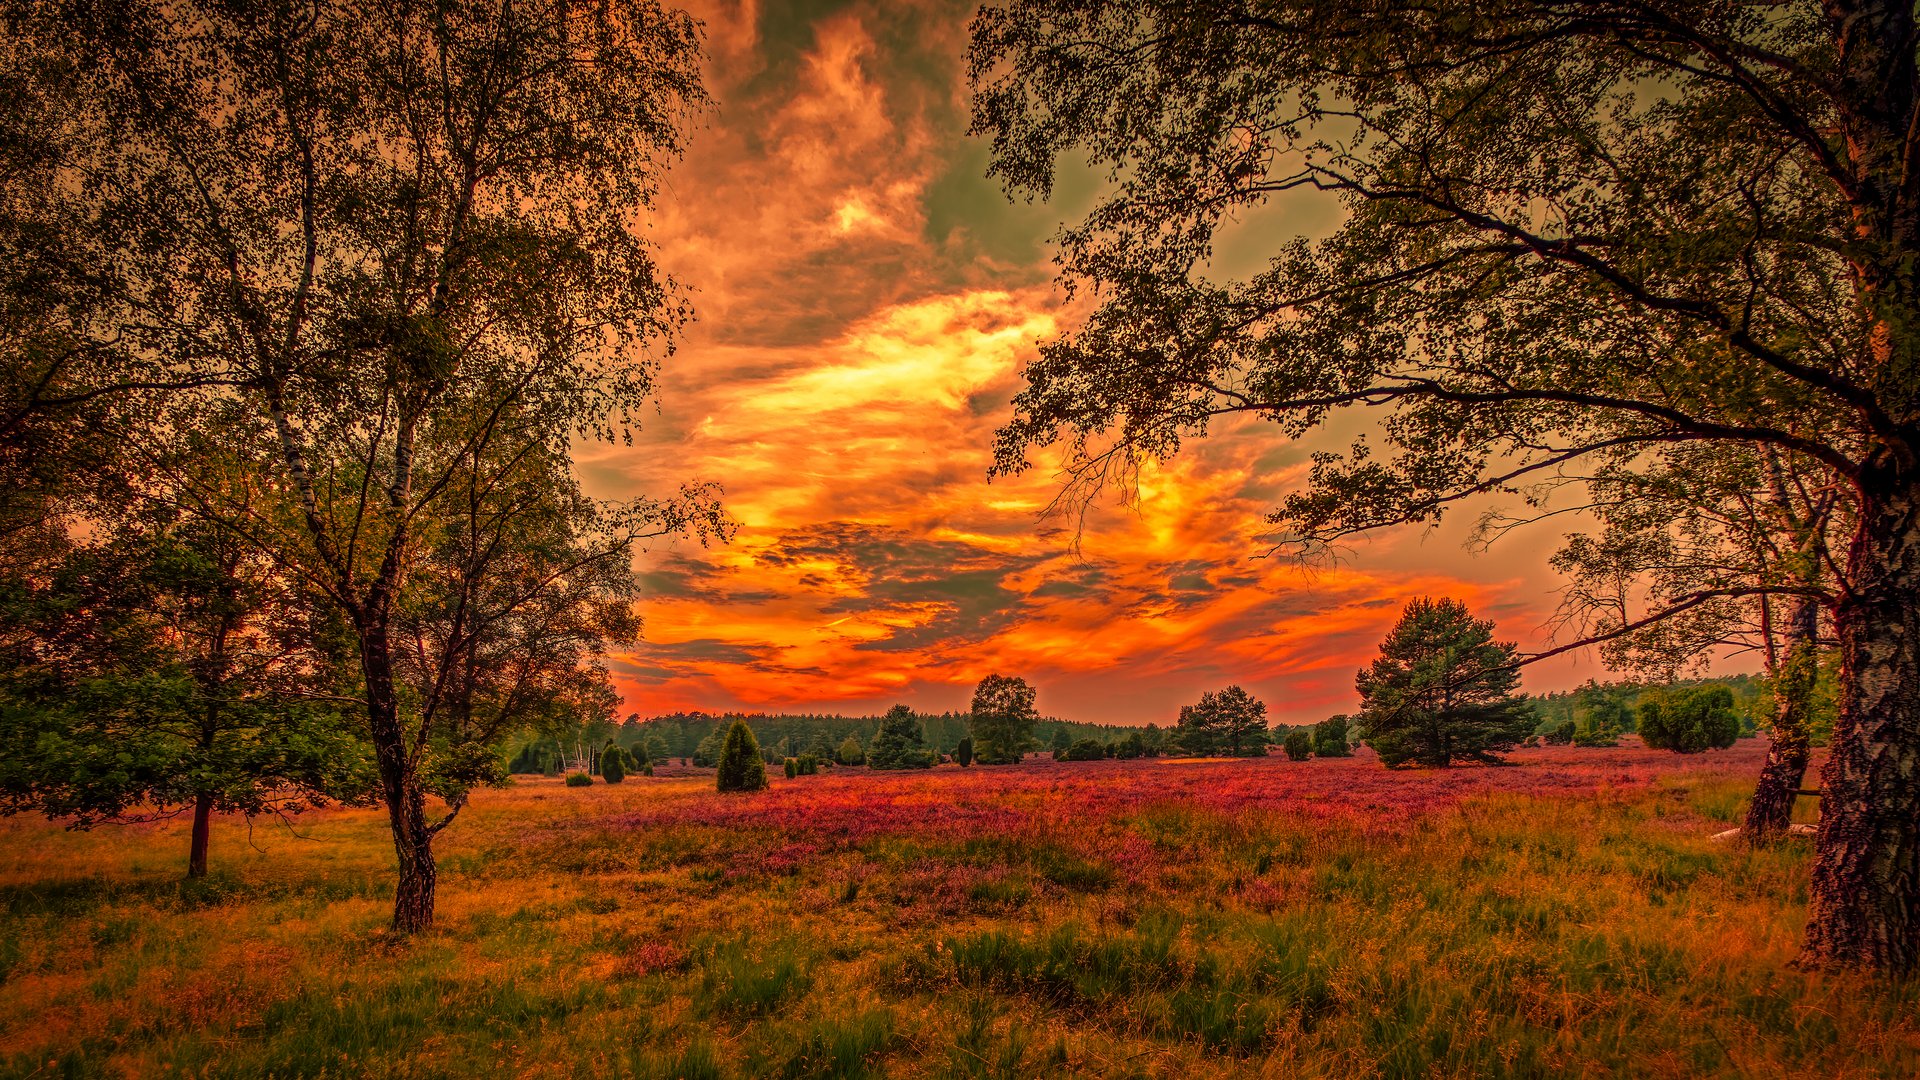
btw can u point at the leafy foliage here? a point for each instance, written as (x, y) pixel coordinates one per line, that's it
(740, 767)
(1330, 738)
(1298, 744)
(1442, 689)
(1229, 721)
(1690, 721)
(849, 752)
(1082, 750)
(168, 667)
(899, 744)
(1003, 719)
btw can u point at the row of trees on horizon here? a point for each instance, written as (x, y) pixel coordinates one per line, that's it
(1438, 648)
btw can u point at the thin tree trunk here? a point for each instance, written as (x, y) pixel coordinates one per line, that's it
(1772, 808)
(202, 833)
(1865, 889)
(406, 802)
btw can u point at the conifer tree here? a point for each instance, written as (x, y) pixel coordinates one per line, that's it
(1442, 689)
(740, 766)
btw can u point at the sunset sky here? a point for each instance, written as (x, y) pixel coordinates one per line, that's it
(866, 299)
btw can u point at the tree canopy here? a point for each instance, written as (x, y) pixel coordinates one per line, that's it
(1577, 234)
(1442, 689)
(1003, 719)
(394, 256)
(1229, 721)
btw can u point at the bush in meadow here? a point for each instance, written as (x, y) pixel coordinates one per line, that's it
(792, 768)
(1605, 735)
(963, 753)
(613, 765)
(899, 744)
(1330, 738)
(647, 769)
(740, 766)
(1560, 736)
(579, 779)
(707, 753)
(1082, 750)
(851, 752)
(1690, 721)
(1298, 744)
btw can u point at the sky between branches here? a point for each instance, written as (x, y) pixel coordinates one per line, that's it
(865, 301)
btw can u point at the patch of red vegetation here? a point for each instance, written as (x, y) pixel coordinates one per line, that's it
(1037, 803)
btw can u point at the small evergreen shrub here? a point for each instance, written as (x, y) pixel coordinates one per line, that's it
(963, 753)
(807, 765)
(1082, 750)
(1691, 721)
(1330, 738)
(647, 769)
(740, 766)
(579, 779)
(613, 765)
(1298, 744)
(793, 768)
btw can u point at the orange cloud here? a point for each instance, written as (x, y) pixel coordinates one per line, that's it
(852, 363)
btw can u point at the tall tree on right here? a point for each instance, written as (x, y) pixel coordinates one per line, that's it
(1003, 719)
(1442, 690)
(1576, 233)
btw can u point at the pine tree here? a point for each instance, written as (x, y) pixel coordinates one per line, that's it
(1442, 689)
(740, 766)
(898, 744)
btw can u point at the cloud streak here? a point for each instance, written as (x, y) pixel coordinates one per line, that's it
(867, 301)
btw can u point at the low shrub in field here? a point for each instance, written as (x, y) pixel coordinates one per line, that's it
(647, 769)
(792, 768)
(806, 765)
(1559, 736)
(1298, 744)
(1330, 738)
(1691, 721)
(1083, 750)
(851, 752)
(579, 779)
(1595, 737)
(613, 765)
(740, 766)
(963, 753)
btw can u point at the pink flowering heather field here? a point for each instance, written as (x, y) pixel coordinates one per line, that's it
(1565, 916)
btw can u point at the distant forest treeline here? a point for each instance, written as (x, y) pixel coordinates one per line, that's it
(781, 735)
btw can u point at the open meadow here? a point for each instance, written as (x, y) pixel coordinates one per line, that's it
(1567, 916)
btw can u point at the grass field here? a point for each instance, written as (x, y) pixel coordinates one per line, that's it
(1565, 917)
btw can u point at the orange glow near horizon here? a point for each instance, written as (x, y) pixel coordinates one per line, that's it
(866, 302)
